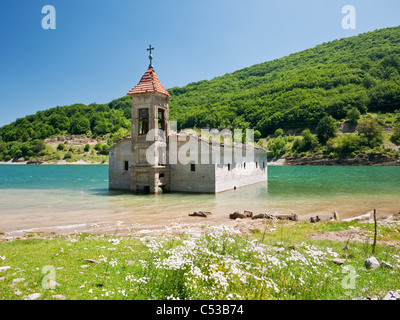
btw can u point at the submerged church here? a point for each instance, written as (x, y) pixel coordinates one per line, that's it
(155, 157)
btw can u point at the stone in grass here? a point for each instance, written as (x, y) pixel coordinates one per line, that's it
(392, 295)
(33, 296)
(4, 268)
(371, 263)
(18, 280)
(386, 265)
(339, 261)
(92, 261)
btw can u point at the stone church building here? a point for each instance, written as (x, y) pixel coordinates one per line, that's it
(155, 158)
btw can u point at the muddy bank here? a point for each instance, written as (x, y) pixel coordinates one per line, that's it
(371, 161)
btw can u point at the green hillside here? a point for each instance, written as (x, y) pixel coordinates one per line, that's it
(332, 79)
(297, 90)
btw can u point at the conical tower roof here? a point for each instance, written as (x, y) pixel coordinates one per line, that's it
(149, 83)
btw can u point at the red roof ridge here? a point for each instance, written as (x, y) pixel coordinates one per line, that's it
(149, 83)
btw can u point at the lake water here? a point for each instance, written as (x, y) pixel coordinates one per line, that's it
(65, 195)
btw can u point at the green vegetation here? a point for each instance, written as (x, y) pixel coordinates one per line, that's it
(24, 137)
(366, 139)
(340, 81)
(276, 261)
(296, 91)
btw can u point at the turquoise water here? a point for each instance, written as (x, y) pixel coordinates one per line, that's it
(62, 195)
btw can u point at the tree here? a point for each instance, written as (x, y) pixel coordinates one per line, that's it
(104, 150)
(309, 142)
(353, 115)
(370, 132)
(277, 146)
(278, 132)
(38, 146)
(257, 135)
(79, 125)
(87, 147)
(326, 129)
(61, 146)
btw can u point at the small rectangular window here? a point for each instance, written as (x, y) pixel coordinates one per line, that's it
(263, 165)
(256, 164)
(192, 167)
(229, 167)
(143, 121)
(161, 119)
(126, 165)
(244, 165)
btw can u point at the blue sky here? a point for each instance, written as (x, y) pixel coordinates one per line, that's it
(98, 50)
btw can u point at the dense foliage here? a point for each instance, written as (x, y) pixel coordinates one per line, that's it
(342, 79)
(19, 139)
(333, 78)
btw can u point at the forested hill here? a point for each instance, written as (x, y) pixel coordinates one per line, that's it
(297, 90)
(290, 92)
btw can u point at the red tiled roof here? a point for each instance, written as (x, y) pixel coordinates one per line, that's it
(149, 83)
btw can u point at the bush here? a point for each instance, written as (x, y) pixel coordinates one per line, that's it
(61, 146)
(348, 144)
(98, 146)
(67, 156)
(395, 137)
(87, 147)
(309, 142)
(104, 150)
(370, 132)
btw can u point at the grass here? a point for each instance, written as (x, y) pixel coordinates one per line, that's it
(279, 262)
(74, 154)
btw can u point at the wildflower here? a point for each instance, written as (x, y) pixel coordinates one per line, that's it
(114, 241)
(113, 262)
(3, 257)
(122, 292)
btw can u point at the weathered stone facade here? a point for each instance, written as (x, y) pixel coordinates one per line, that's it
(153, 159)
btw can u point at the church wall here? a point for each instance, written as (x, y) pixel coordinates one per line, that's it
(201, 180)
(241, 173)
(119, 178)
(189, 174)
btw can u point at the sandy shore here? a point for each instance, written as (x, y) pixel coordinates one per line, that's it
(180, 226)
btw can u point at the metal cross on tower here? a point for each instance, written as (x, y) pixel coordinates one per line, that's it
(150, 56)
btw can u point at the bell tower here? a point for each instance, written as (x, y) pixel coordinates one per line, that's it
(149, 171)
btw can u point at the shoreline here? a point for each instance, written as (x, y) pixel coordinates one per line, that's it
(381, 161)
(167, 226)
(60, 162)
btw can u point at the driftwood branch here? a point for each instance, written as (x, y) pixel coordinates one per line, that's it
(376, 232)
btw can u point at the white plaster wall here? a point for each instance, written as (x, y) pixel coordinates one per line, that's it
(240, 176)
(182, 179)
(202, 180)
